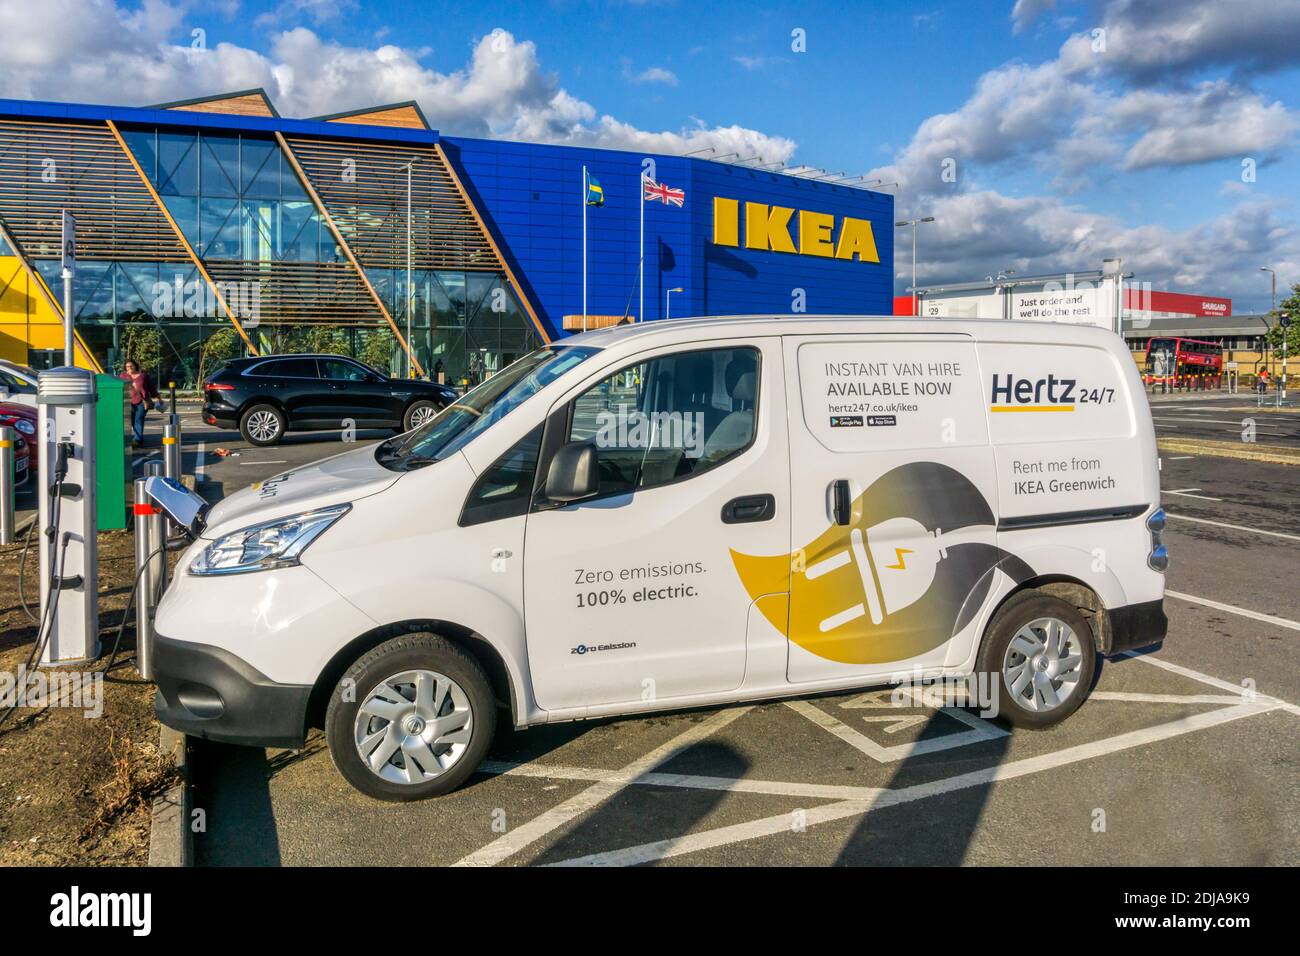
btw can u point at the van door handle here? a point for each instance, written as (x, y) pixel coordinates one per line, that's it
(749, 508)
(841, 503)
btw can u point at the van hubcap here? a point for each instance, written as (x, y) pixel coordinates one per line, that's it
(263, 426)
(1043, 664)
(413, 726)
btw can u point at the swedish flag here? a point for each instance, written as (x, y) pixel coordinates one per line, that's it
(595, 192)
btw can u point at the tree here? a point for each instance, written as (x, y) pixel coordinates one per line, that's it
(142, 342)
(378, 349)
(221, 345)
(1291, 306)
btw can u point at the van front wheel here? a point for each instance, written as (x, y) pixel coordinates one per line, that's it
(1040, 656)
(411, 719)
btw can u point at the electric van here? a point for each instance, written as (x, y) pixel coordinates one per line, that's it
(679, 514)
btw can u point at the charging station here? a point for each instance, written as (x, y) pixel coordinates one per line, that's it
(65, 399)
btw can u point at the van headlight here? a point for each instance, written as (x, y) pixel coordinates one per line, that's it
(272, 544)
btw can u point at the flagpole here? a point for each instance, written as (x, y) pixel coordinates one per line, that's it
(640, 315)
(584, 248)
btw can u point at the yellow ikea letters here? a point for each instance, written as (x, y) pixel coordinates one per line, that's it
(767, 228)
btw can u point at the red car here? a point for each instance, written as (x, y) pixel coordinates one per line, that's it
(23, 420)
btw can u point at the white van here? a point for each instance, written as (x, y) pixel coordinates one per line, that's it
(679, 514)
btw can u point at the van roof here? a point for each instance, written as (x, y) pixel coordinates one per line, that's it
(738, 325)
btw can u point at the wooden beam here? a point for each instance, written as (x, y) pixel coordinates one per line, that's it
(180, 235)
(347, 250)
(487, 233)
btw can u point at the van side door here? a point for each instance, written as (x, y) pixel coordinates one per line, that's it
(893, 502)
(632, 596)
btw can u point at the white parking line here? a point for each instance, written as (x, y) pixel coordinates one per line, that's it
(1232, 609)
(781, 823)
(981, 730)
(779, 788)
(1181, 457)
(1235, 527)
(511, 843)
(1187, 493)
(1207, 679)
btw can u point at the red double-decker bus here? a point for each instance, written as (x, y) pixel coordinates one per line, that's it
(1178, 357)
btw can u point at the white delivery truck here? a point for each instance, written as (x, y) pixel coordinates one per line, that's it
(678, 514)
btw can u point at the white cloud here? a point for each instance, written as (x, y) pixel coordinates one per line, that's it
(1148, 41)
(87, 51)
(978, 232)
(1215, 121)
(1025, 12)
(654, 74)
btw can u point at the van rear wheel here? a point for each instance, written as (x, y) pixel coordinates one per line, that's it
(411, 719)
(1040, 656)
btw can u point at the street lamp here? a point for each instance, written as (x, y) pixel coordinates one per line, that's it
(410, 289)
(668, 301)
(913, 223)
(1273, 306)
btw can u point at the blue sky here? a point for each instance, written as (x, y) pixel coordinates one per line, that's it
(1067, 148)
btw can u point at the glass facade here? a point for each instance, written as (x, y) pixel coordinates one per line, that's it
(242, 208)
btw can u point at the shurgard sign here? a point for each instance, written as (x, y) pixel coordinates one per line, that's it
(799, 231)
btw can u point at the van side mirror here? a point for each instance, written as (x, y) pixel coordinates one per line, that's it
(574, 473)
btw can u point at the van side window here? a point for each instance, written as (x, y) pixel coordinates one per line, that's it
(505, 489)
(669, 418)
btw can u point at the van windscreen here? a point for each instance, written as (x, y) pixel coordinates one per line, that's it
(481, 408)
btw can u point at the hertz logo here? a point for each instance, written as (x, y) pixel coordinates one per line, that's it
(1050, 394)
(768, 229)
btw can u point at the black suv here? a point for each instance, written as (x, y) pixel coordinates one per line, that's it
(272, 394)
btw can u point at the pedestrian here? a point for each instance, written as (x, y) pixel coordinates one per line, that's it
(143, 394)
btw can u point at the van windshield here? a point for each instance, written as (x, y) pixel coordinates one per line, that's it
(480, 408)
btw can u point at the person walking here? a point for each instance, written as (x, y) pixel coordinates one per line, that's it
(143, 394)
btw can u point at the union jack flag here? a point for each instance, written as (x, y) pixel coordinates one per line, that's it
(658, 192)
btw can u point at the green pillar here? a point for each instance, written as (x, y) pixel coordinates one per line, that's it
(112, 457)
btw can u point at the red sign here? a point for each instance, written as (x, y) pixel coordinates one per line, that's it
(1179, 303)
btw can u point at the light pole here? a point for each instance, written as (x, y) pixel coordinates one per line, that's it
(410, 289)
(913, 223)
(668, 300)
(1273, 305)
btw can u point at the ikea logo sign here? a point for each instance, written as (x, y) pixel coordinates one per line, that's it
(782, 229)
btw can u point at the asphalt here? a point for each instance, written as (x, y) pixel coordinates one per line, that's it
(1186, 756)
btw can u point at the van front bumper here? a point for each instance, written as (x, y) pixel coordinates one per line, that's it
(1135, 625)
(210, 693)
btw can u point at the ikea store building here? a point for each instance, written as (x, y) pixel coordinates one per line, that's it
(211, 228)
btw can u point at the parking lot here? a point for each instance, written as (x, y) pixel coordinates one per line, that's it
(1184, 756)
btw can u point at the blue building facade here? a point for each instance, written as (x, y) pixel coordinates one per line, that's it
(211, 227)
(531, 195)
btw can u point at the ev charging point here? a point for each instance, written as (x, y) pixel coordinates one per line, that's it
(65, 399)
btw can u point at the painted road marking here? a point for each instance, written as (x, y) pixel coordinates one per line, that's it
(1182, 457)
(1235, 527)
(275, 462)
(980, 731)
(1232, 609)
(511, 843)
(688, 781)
(1207, 679)
(1131, 697)
(827, 813)
(1187, 493)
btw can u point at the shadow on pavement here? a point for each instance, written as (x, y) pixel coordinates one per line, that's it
(625, 819)
(237, 809)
